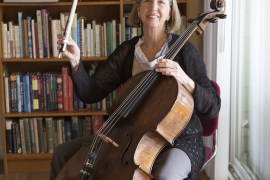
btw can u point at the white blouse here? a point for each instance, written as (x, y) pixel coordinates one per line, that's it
(141, 63)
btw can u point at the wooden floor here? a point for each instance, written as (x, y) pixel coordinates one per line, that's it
(45, 176)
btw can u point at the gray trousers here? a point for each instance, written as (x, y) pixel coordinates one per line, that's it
(172, 164)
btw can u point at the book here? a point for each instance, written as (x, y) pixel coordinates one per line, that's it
(13, 88)
(67, 125)
(40, 34)
(29, 39)
(88, 125)
(20, 17)
(19, 81)
(14, 138)
(65, 87)
(32, 135)
(26, 93)
(74, 127)
(55, 29)
(7, 90)
(4, 38)
(49, 134)
(36, 134)
(18, 135)
(8, 136)
(17, 41)
(55, 135)
(97, 122)
(27, 135)
(59, 81)
(22, 135)
(33, 33)
(40, 128)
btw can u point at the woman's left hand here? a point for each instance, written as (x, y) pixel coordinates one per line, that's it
(171, 68)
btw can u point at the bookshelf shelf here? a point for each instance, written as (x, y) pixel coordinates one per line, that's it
(93, 10)
(29, 156)
(55, 114)
(8, 60)
(63, 3)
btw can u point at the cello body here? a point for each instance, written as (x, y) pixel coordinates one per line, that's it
(141, 136)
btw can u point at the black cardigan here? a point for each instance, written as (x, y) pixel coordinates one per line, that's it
(117, 69)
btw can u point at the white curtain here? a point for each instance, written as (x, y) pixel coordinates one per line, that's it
(259, 94)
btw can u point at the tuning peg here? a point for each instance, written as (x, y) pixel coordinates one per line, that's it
(221, 16)
(212, 20)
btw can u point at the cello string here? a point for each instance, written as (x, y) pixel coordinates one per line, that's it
(170, 53)
(123, 107)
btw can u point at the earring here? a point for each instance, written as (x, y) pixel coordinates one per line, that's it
(140, 23)
(167, 26)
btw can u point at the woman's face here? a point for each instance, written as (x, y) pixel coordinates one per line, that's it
(154, 13)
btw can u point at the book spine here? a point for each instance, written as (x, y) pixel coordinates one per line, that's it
(74, 127)
(35, 92)
(4, 39)
(55, 28)
(36, 134)
(14, 138)
(40, 134)
(97, 122)
(13, 87)
(12, 43)
(19, 80)
(82, 36)
(33, 31)
(8, 136)
(97, 38)
(54, 130)
(40, 91)
(105, 38)
(32, 135)
(8, 44)
(70, 94)
(22, 136)
(49, 134)
(88, 27)
(7, 93)
(47, 45)
(29, 32)
(27, 135)
(40, 34)
(17, 41)
(59, 81)
(88, 125)
(67, 131)
(18, 138)
(65, 88)
(20, 16)
(25, 37)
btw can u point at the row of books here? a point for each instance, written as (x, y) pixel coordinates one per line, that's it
(36, 37)
(46, 91)
(42, 135)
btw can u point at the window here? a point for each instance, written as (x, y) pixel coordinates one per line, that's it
(250, 99)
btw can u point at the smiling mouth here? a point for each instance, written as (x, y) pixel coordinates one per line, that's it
(152, 16)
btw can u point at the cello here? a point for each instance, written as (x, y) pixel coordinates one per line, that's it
(128, 143)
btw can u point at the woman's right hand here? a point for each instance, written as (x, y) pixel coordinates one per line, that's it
(72, 51)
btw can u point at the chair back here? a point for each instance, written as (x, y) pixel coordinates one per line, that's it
(209, 125)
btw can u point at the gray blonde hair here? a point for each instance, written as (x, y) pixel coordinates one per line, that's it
(174, 22)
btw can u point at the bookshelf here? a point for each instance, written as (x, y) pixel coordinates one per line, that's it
(98, 10)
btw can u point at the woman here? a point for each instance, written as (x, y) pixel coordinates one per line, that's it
(157, 18)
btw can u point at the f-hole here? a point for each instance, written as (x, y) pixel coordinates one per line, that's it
(125, 150)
